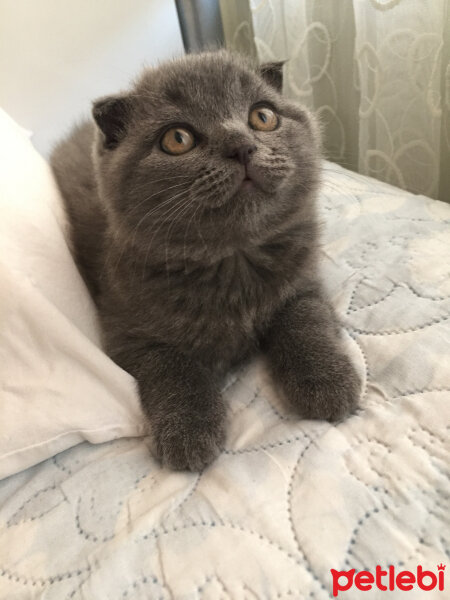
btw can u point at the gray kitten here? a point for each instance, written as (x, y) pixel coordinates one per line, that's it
(192, 207)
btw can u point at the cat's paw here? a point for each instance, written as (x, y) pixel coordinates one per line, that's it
(188, 443)
(330, 391)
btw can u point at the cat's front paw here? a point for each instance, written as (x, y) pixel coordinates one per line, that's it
(190, 442)
(328, 391)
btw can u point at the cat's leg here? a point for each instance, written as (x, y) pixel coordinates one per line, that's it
(184, 407)
(304, 348)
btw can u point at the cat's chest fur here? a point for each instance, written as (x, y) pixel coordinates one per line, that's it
(216, 311)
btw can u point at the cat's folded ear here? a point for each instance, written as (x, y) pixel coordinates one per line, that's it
(272, 73)
(112, 115)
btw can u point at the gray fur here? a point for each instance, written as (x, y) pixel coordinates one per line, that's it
(192, 273)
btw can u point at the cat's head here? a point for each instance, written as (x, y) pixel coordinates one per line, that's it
(204, 150)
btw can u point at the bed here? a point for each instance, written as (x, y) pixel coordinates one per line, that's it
(287, 500)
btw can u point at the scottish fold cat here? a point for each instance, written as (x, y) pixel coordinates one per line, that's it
(192, 204)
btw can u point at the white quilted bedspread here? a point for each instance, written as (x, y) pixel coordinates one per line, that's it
(287, 500)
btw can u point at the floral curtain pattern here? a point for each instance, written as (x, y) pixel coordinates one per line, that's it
(376, 72)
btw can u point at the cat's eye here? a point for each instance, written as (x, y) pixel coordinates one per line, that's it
(177, 140)
(263, 118)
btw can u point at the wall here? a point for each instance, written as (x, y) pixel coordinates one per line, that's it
(58, 55)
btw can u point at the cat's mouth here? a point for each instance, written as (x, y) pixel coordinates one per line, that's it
(247, 183)
(248, 180)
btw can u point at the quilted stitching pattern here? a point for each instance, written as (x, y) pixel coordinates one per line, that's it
(287, 500)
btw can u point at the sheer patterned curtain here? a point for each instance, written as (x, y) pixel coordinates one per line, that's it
(377, 73)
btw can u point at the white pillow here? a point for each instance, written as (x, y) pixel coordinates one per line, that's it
(57, 387)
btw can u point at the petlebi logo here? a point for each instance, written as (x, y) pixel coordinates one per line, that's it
(388, 579)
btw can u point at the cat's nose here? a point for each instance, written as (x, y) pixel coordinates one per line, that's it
(242, 153)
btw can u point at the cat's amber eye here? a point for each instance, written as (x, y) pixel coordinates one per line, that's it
(177, 141)
(263, 118)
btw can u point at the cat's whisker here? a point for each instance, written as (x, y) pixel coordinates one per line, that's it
(156, 209)
(169, 214)
(148, 184)
(147, 198)
(131, 240)
(201, 236)
(167, 211)
(166, 216)
(178, 216)
(186, 232)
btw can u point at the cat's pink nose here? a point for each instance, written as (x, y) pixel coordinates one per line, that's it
(242, 153)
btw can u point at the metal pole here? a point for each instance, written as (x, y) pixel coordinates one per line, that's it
(200, 24)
